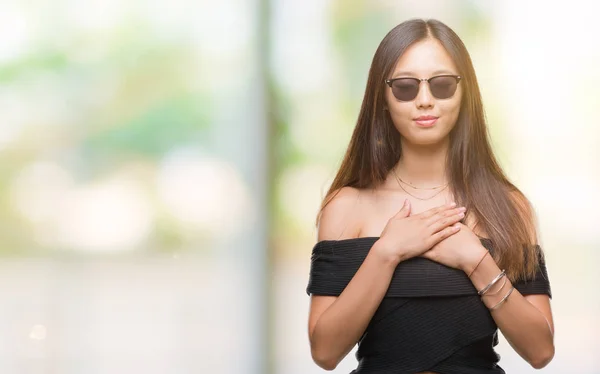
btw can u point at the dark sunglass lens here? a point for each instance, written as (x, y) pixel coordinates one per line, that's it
(405, 89)
(443, 87)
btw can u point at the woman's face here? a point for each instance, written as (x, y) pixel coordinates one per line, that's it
(424, 59)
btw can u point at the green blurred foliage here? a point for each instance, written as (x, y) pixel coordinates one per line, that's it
(131, 96)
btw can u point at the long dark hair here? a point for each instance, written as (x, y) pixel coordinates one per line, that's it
(475, 177)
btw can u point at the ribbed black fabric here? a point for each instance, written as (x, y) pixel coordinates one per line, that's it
(431, 318)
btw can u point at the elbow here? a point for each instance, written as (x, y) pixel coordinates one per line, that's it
(326, 365)
(324, 360)
(543, 359)
(325, 352)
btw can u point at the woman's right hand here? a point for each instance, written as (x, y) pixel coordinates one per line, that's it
(407, 236)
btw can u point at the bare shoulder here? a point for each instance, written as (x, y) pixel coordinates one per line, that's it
(340, 219)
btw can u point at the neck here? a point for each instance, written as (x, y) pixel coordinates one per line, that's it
(423, 166)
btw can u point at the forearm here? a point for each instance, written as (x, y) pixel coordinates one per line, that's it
(343, 323)
(523, 325)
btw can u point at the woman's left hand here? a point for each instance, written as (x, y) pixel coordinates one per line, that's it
(460, 250)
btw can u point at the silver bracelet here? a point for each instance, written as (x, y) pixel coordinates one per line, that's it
(503, 299)
(486, 288)
(500, 289)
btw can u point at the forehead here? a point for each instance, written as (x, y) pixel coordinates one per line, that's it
(424, 59)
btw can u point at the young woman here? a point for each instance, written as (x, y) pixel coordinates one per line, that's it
(425, 248)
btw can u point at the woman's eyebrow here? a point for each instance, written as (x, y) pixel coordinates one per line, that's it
(412, 74)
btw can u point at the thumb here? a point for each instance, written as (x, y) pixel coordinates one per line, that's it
(405, 210)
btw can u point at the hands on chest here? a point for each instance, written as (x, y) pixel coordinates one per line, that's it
(436, 234)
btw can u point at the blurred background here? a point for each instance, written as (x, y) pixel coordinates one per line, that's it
(162, 165)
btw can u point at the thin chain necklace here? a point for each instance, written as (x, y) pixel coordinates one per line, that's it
(419, 188)
(416, 197)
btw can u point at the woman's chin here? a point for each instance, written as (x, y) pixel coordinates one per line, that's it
(425, 139)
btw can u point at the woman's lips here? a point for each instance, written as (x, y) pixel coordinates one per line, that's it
(426, 121)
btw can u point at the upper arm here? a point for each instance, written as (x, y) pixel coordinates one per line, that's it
(339, 220)
(540, 301)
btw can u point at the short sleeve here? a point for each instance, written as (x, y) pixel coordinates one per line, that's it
(539, 284)
(334, 263)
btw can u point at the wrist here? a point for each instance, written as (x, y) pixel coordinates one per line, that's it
(483, 275)
(471, 264)
(386, 255)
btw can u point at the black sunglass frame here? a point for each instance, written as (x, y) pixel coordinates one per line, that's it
(389, 82)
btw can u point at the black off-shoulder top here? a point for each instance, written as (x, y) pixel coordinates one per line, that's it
(430, 319)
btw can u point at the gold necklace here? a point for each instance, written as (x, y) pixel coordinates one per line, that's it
(420, 188)
(416, 197)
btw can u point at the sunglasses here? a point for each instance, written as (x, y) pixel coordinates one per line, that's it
(407, 89)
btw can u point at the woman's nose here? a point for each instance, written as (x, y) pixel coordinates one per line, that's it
(424, 97)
